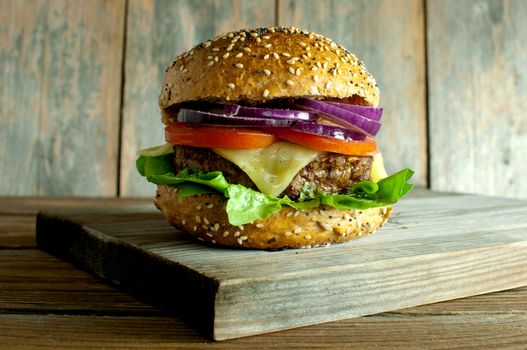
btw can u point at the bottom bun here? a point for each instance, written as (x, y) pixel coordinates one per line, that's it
(205, 218)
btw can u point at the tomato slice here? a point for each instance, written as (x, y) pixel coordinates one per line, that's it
(365, 147)
(217, 137)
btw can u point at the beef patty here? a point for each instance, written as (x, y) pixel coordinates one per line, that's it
(331, 172)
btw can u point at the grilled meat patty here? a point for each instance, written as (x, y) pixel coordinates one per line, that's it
(331, 172)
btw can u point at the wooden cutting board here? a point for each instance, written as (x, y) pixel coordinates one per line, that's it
(433, 249)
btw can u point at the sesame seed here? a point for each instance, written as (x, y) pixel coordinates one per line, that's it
(268, 46)
(183, 222)
(240, 242)
(207, 44)
(325, 65)
(297, 213)
(285, 54)
(307, 237)
(226, 55)
(210, 206)
(239, 65)
(315, 78)
(230, 85)
(309, 53)
(216, 59)
(216, 227)
(206, 221)
(237, 233)
(334, 72)
(314, 90)
(266, 93)
(238, 55)
(259, 225)
(198, 219)
(291, 70)
(314, 68)
(195, 228)
(205, 227)
(242, 38)
(304, 56)
(210, 63)
(297, 229)
(185, 70)
(247, 49)
(229, 48)
(243, 238)
(275, 55)
(225, 234)
(298, 71)
(303, 44)
(254, 34)
(289, 214)
(266, 56)
(215, 49)
(258, 40)
(290, 61)
(198, 207)
(213, 242)
(181, 68)
(287, 233)
(210, 235)
(319, 65)
(266, 37)
(230, 35)
(267, 72)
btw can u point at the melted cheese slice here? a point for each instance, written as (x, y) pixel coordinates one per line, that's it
(377, 168)
(271, 168)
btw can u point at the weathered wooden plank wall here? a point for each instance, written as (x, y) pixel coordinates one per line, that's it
(62, 100)
(478, 96)
(157, 31)
(59, 96)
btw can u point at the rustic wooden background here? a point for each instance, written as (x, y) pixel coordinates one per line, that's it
(80, 79)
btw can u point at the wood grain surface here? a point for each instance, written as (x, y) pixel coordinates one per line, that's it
(157, 32)
(478, 96)
(433, 249)
(388, 35)
(59, 97)
(55, 306)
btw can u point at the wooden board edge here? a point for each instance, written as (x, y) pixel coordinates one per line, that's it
(494, 276)
(189, 295)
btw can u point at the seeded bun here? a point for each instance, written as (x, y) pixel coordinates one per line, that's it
(267, 63)
(205, 218)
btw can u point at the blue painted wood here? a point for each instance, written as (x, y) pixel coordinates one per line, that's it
(478, 96)
(60, 91)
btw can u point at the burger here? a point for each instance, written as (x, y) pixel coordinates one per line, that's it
(270, 143)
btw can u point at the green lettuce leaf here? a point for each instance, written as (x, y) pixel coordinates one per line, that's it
(246, 205)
